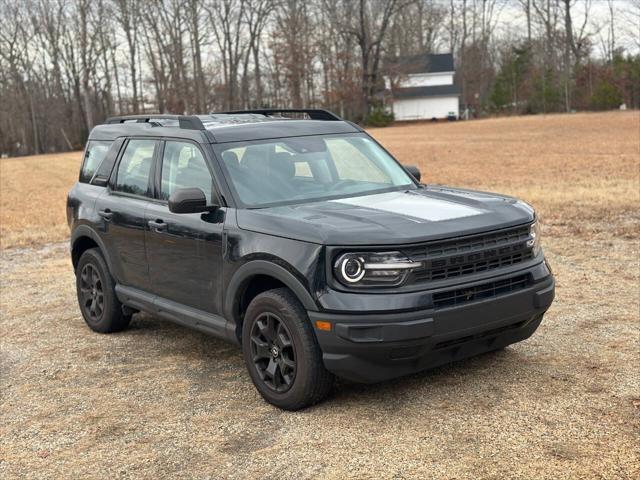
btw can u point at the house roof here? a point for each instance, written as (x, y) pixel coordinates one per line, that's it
(433, 91)
(423, 63)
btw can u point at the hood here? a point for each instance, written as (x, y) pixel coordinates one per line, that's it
(391, 218)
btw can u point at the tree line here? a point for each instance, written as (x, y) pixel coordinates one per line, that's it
(65, 65)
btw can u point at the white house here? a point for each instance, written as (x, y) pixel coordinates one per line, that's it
(421, 87)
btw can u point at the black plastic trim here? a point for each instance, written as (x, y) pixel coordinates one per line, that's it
(86, 231)
(386, 332)
(263, 267)
(313, 113)
(380, 346)
(187, 122)
(175, 312)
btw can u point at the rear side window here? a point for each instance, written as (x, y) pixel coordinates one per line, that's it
(135, 166)
(94, 154)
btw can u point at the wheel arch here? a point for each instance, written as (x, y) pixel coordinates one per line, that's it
(256, 277)
(83, 238)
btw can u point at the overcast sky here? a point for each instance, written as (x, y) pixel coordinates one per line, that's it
(626, 21)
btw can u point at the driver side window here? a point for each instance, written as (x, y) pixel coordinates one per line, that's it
(184, 166)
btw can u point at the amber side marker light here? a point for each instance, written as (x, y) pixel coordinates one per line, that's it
(326, 326)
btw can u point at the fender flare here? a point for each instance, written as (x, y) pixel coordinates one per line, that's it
(87, 231)
(264, 267)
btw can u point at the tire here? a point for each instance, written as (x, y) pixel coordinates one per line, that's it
(97, 300)
(276, 319)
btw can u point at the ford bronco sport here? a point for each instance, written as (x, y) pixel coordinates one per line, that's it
(302, 240)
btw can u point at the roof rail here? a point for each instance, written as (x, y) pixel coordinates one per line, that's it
(314, 113)
(189, 122)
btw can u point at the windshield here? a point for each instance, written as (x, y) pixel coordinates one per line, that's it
(303, 169)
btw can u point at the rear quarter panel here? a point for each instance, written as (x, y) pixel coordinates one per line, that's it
(81, 202)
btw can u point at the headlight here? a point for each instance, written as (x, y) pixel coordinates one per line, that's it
(534, 240)
(373, 269)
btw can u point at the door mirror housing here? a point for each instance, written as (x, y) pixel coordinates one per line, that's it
(414, 171)
(189, 200)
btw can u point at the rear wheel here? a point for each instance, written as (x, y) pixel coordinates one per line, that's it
(97, 299)
(281, 352)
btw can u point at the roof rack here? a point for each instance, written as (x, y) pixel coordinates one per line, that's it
(314, 113)
(189, 122)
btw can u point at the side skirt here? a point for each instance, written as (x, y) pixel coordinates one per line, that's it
(176, 312)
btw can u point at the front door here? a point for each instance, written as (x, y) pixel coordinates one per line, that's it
(185, 250)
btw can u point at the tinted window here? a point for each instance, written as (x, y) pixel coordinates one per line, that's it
(310, 168)
(134, 167)
(183, 166)
(93, 157)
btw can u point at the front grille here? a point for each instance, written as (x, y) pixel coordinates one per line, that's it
(472, 267)
(460, 296)
(469, 255)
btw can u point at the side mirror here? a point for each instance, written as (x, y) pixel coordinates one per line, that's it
(188, 200)
(414, 171)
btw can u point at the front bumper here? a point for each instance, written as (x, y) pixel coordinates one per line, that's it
(373, 347)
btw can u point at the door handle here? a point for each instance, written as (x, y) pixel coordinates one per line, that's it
(106, 214)
(157, 225)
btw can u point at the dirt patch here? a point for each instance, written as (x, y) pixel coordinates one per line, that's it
(161, 401)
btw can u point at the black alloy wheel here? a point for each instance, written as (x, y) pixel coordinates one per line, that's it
(99, 304)
(92, 293)
(281, 351)
(273, 352)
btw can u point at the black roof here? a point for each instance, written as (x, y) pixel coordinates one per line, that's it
(434, 91)
(219, 127)
(422, 63)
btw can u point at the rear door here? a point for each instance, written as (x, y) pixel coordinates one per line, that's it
(122, 209)
(185, 250)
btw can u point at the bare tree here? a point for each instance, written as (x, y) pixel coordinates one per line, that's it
(195, 9)
(225, 18)
(257, 15)
(575, 43)
(416, 29)
(369, 27)
(67, 64)
(14, 50)
(293, 52)
(128, 16)
(526, 8)
(87, 47)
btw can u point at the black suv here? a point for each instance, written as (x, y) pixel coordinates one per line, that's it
(304, 241)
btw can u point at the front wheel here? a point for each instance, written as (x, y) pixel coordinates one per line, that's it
(97, 299)
(281, 352)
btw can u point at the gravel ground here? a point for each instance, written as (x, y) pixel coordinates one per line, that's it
(161, 401)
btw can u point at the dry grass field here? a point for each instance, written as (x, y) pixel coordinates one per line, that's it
(159, 401)
(574, 169)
